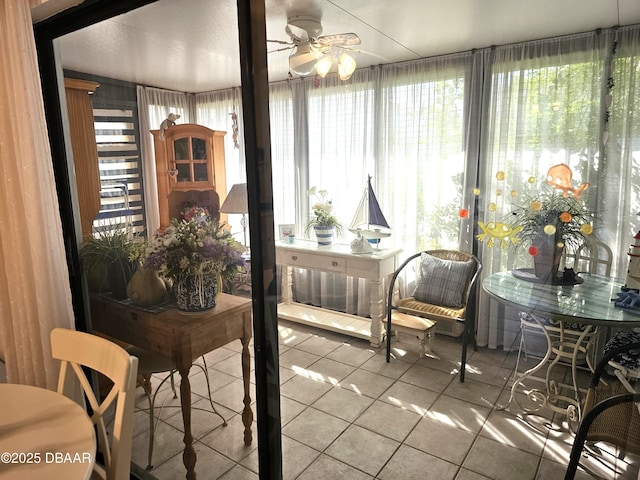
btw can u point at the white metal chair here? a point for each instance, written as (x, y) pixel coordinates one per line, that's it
(571, 342)
(151, 363)
(445, 280)
(77, 350)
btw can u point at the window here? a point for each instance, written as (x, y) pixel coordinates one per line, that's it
(119, 164)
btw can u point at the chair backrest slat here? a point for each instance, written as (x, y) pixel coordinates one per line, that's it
(593, 257)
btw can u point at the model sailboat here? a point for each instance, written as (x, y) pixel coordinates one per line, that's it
(369, 220)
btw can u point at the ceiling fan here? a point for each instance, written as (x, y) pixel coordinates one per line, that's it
(310, 51)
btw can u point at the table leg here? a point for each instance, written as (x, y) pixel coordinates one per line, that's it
(377, 312)
(536, 396)
(189, 454)
(247, 414)
(287, 284)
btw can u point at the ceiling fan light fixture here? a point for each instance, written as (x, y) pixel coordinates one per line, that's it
(346, 66)
(324, 65)
(302, 60)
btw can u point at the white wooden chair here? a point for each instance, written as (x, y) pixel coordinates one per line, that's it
(77, 350)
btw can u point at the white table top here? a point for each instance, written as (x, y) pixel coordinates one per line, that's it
(336, 249)
(43, 435)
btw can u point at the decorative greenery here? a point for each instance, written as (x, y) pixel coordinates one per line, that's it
(195, 245)
(550, 212)
(111, 249)
(323, 215)
(112, 245)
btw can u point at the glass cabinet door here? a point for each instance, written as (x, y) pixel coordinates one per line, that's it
(190, 155)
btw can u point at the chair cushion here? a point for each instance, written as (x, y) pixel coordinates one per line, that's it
(435, 312)
(442, 282)
(630, 359)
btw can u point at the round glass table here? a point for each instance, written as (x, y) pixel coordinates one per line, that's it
(588, 303)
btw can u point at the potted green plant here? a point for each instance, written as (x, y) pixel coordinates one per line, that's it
(323, 221)
(548, 223)
(110, 258)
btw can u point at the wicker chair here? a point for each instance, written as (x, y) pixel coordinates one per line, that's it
(610, 414)
(442, 292)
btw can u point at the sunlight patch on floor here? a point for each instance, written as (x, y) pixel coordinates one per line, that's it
(310, 374)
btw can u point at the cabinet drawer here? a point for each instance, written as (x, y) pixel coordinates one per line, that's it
(364, 268)
(314, 262)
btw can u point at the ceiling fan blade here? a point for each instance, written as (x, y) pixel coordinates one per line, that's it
(340, 39)
(280, 49)
(281, 42)
(297, 33)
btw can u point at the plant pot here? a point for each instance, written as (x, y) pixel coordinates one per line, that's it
(118, 276)
(196, 293)
(324, 235)
(546, 263)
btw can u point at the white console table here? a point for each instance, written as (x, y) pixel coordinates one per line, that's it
(375, 267)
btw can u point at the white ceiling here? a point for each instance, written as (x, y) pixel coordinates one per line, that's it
(192, 45)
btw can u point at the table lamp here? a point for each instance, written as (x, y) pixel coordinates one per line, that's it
(236, 202)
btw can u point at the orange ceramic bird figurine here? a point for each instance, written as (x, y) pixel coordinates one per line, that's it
(560, 177)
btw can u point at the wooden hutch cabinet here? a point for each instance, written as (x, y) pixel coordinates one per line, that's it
(190, 170)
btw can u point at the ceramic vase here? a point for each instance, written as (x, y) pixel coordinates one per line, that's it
(146, 288)
(324, 235)
(196, 293)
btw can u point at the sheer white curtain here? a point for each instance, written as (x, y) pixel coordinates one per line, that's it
(622, 176)
(543, 109)
(285, 172)
(214, 110)
(34, 279)
(154, 105)
(402, 124)
(336, 124)
(419, 150)
(340, 129)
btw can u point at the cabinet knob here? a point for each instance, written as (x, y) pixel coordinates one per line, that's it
(294, 257)
(334, 263)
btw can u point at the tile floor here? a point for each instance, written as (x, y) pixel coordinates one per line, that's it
(347, 414)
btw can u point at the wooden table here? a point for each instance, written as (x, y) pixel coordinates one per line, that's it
(337, 258)
(182, 337)
(44, 434)
(588, 303)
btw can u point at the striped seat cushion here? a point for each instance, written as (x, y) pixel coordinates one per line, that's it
(435, 312)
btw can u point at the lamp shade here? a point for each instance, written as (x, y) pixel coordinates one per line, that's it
(236, 201)
(302, 60)
(346, 66)
(324, 65)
